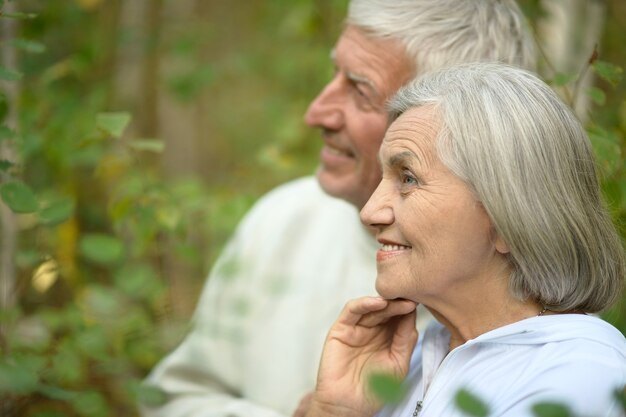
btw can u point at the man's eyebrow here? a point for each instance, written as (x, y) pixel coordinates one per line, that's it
(359, 79)
(355, 78)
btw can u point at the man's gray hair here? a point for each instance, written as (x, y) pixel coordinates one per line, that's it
(529, 161)
(439, 33)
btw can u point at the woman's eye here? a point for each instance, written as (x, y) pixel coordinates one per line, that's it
(408, 179)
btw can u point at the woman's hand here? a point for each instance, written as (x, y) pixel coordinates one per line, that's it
(370, 335)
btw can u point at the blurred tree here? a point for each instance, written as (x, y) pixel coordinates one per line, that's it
(140, 132)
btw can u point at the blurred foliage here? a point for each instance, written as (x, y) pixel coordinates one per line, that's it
(114, 240)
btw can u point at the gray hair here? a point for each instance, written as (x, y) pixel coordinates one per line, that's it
(440, 33)
(529, 161)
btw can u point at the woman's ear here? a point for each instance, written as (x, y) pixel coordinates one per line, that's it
(501, 245)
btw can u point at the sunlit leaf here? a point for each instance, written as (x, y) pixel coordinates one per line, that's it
(113, 124)
(168, 217)
(608, 72)
(549, 409)
(10, 75)
(57, 212)
(45, 275)
(470, 404)
(89, 4)
(101, 248)
(19, 197)
(27, 45)
(387, 388)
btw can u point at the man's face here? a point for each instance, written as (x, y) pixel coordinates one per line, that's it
(350, 111)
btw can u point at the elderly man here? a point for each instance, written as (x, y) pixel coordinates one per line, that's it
(301, 252)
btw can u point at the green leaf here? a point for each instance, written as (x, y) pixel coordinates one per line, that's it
(139, 282)
(150, 145)
(549, 409)
(20, 374)
(470, 404)
(5, 165)
(19, 197)
(6, 132)
(560, 79)
(9, 75)
(91, 404)
(4, 107)
(19, 15)
(28, 46)
(387, 388)
(57, 212)
(606, 147)
(620, 396)
(608, 72)
(55, 393)
(150, 395)
(92, 342)
(67, 365)
(113, 124)
(597, 95)
(102, 249)
(104, 305)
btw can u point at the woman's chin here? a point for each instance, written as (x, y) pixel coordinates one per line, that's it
(385, 292)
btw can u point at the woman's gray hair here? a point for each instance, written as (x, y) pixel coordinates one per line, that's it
(439, 33)
(529, 161)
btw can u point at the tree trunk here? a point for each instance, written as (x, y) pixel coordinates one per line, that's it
(569, 34)
(7, 152)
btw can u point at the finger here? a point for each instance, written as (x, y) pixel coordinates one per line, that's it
(303, 407)
(394, 308)
(357, 308)
(405, 337)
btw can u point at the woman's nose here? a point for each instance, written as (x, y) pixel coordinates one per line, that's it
(326, 110)
(378, 211)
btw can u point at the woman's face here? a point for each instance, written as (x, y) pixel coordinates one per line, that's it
(436, 238)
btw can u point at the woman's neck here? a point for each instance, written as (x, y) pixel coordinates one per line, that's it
(476, 314)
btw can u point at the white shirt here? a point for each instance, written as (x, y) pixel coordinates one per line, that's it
(575, 360)
(260, 324)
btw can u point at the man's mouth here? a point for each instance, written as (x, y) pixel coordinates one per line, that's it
(334, 150)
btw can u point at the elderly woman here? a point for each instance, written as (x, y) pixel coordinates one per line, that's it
(489, 214)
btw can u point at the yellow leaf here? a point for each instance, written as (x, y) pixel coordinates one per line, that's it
(89, 4)
(45, 275)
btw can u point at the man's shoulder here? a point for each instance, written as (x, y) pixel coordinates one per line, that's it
(302, 195)
(299, 189)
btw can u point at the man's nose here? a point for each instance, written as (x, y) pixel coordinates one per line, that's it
(327, 109)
